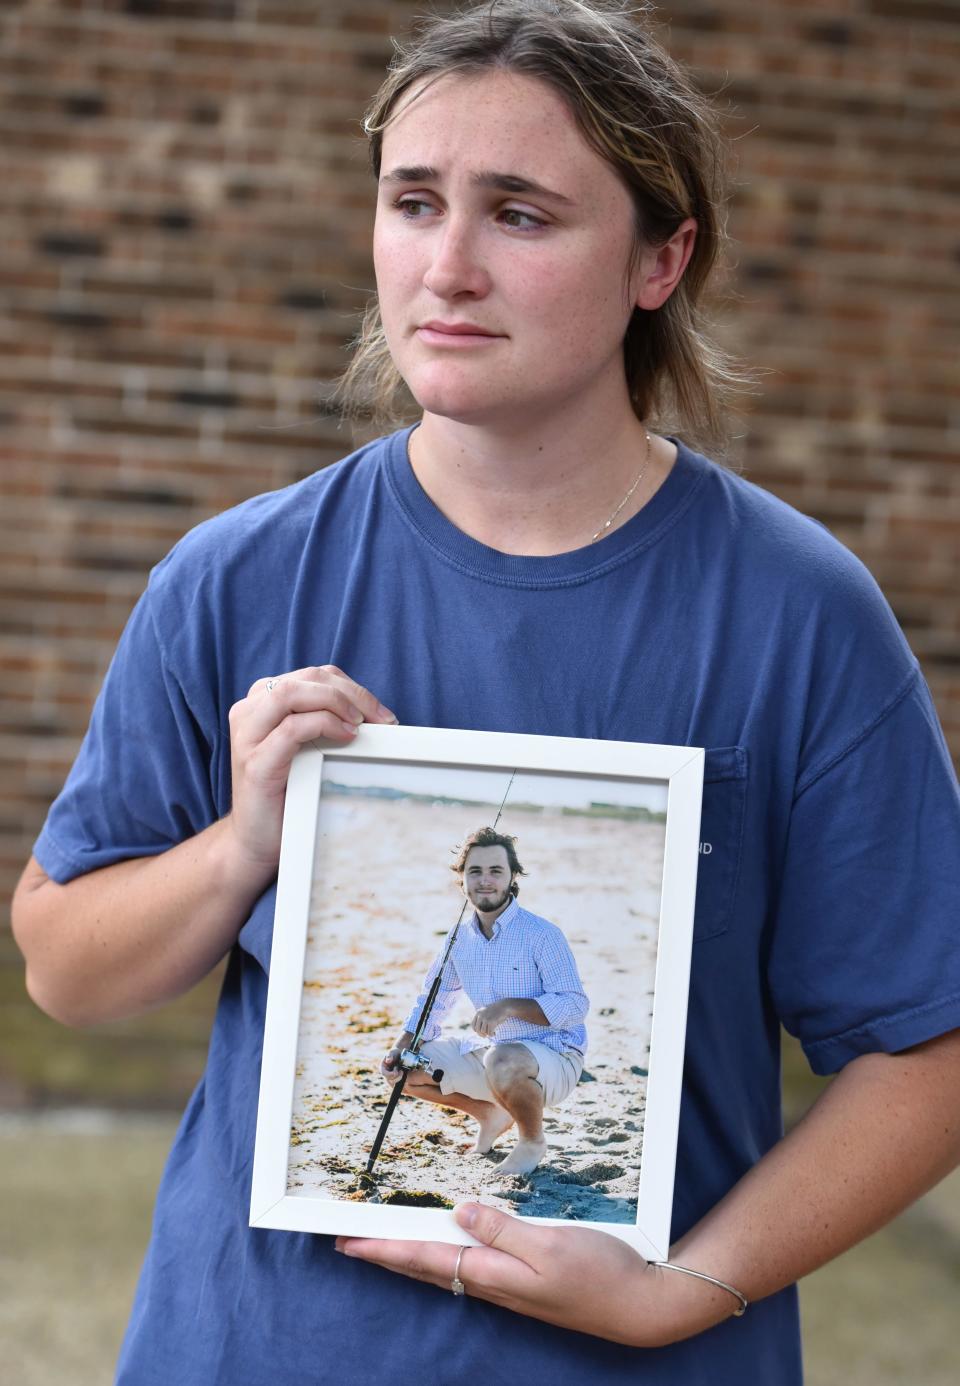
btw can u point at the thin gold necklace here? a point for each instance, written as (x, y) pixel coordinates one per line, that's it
(639, 477)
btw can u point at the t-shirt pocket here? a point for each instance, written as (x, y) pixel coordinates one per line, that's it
(721, 840)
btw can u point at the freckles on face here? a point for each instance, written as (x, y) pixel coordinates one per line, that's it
(494, 212)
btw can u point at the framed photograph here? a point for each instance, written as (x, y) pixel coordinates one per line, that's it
(478, 984)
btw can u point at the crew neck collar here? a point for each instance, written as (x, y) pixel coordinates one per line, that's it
(468, 555)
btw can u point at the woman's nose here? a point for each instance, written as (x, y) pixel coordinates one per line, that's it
(456, 268)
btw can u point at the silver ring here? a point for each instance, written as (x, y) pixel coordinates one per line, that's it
(271, 685)
(456, 1284)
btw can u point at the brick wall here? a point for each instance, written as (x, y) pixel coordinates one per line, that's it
(185, 217)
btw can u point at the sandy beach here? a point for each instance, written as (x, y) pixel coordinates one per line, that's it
(379, 918)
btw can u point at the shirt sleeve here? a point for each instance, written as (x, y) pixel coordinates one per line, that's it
(142, 780)
(448, 994)
(865, 951)
(564, 1001)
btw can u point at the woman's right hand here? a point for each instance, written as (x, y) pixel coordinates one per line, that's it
(268, 727)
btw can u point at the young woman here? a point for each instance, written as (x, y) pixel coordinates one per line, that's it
(533, 556)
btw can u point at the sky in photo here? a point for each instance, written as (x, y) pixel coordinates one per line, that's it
(552, 790)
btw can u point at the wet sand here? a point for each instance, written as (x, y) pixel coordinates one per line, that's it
(380, 917)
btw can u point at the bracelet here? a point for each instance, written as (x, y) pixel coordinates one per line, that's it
(685, 1270)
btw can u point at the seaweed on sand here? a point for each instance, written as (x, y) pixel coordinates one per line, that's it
(415, 1198)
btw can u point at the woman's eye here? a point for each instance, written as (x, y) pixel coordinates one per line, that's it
(412, 207)
(522, 221)
(416, 209)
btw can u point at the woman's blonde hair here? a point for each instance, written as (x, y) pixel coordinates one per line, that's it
(641, 113)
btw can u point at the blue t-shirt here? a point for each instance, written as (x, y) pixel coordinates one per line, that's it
(827, 895)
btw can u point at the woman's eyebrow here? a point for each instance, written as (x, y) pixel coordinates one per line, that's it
(516, 183)
(502, 182)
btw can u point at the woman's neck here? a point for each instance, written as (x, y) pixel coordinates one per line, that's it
(546, 490)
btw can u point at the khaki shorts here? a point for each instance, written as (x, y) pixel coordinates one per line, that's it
(557, 1074)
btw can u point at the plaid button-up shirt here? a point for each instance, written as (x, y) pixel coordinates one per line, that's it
(526, 957)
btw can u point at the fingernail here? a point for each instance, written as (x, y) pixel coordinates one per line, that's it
(387, 714)
(467, 1215)
(349, 728)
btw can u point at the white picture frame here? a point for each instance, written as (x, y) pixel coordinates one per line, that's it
(674, 772)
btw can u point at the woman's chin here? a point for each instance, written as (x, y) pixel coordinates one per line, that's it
(461, 395)
(461, 407)
(471, 403)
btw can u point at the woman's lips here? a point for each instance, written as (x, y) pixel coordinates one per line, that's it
(466, 336)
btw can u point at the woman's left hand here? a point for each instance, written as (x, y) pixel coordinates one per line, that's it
(573, 1277)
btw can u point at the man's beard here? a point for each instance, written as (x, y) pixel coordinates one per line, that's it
(489, 903)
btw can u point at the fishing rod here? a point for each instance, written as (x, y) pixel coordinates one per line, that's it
(411, 1058)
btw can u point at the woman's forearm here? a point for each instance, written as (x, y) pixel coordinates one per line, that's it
(125, 938)
(883, 1133)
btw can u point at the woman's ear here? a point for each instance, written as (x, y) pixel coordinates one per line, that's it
(661, 267)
